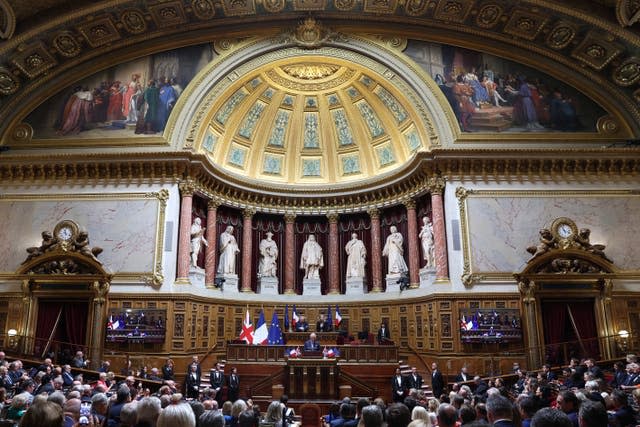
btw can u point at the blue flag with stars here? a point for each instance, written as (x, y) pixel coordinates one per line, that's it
(275, 333)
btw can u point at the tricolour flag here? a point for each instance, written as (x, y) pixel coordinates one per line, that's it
(275, 333)
(294, 317)
(247, 330)
(338, 319)
(261, 333)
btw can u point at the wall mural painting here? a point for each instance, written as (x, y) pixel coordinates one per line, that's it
(491, 94)
(134, 98)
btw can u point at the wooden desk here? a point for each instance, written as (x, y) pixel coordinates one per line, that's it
(312, 378)
(299, 338)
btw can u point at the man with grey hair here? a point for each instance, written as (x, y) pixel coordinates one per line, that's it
(550, 417)
(57, 397)
(592, 414)
(500, 411)
(99, 405)
(129, 415)
(447, 415)
(371, 416)
(148, 409)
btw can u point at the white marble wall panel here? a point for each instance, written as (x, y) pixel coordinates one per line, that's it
(125, 229)
(502, 227)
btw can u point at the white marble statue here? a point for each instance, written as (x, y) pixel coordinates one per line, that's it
(268, 257)
(228, 251)
(356, 257)
(197, 240)
(311, 259)
(394, 252)
(426, 238)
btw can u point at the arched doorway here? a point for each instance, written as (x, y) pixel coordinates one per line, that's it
(61, 327)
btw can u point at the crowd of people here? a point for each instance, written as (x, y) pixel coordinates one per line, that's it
(49, 395)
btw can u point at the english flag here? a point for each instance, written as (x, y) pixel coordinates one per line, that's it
(261, 335)
(247, 330)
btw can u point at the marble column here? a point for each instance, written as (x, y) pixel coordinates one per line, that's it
(376, 251)
(211, 251)
(333, 256)
(187, 187)
(436, 187)
(247, 250)
(290, 255)
(412, 240)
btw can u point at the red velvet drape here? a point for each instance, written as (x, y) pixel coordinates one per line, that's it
(72, 327)
(554, 322)
(583, 314)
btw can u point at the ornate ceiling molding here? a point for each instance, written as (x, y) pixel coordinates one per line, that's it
(582, 47)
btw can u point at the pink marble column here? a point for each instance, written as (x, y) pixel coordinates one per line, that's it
(436, 187)
(247, 250)
(212, 238)
(187, 188)
(376, 251)
(412, 240)
(289, 255)
(334, 257)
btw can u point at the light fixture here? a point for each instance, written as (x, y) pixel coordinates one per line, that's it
(13, 342)
(623, 340)
(12, 333)
(623, 333)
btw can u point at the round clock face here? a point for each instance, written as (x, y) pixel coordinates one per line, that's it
(65, 233)
(565, 230)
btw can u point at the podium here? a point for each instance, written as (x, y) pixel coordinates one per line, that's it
(312, 378)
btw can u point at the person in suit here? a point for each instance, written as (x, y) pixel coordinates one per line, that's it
(499, 411)
(233, 387)
(383, 333)
(398, 386)
(414, 379)
(593, 369)
(481, 387)
(302, 325)
(322, 325)
(192, 383)
(195, 361)
(547, 373)
(437, 381)
(463, 376)
(550, 417)
(312, 343)
(216, 378)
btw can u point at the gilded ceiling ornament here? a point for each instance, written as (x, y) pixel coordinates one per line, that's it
(203, 9)
(273, 6)
(309, 4)
(561, 35)
(344, 4)
(99, 31)
(310, 71)
(386, 7)
(453, 10)
(489, 15)
(627, 73)
(525, 24)
(310, 34)
(22, 132)
(7, 20)
(596, 50)
(34, 60)
(627, 12)
(133, 21)
(416, 7)
(636, 96)
(66, 44)
(238, 7)
(8, 82)
(168, 14)
(607, 125)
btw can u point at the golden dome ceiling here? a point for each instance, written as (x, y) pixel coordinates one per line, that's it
(312, 119)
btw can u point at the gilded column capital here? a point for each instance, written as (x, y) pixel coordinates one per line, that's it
(248, 213)
(374, 213)
(409, 203)
(187, 187)
(436, 184)
(213, 205)
(333, 217)
(290, 218)
(527, 289)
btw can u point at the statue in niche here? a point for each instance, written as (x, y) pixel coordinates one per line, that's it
(268, 257)
(311, 259)
(394, 252)
(228, 251)
(356, 257)
(197, 240)
(426, 238)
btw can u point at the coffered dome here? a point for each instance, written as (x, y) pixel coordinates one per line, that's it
(311, 119)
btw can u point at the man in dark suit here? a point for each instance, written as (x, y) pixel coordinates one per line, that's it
(463, 376)
(547, 373)
(499, 411)
(398, 386)
(593, 369)
(414, 380)
(383, 333)
(323, 325)
(311, 344)
(192, 383)
(233, 387)
(437, 381)
(216, 377)
(196, 363)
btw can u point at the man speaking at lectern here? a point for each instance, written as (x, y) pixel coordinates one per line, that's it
(311, 344)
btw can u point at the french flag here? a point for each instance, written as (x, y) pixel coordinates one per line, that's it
(261, 335)
(338, 318)
(294, 317)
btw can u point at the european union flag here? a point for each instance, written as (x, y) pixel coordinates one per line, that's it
(275, 333)
(286, 317)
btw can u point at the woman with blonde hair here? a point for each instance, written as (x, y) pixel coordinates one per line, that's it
(273, 415)
(177, 415)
